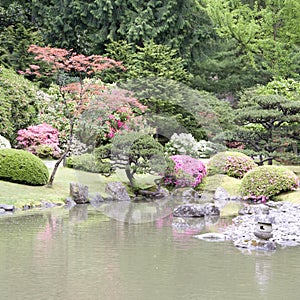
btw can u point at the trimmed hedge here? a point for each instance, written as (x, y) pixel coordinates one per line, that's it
(22, 167)
(231, 163)
(262, 183)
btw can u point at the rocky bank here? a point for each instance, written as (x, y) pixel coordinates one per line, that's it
(283, 217)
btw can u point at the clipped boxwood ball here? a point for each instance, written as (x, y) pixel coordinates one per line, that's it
(262, 183)
(22, 167)
(233, 164)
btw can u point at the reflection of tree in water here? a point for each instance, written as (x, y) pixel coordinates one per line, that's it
(136, 213)
(78, 213)
(52, 224)
(45, 239)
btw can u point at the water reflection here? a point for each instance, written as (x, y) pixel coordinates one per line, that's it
(263, 273)
(81, 254)
(78, 213)
(137, 212)
(48, 232)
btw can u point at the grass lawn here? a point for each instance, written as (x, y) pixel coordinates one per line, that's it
(20, 195)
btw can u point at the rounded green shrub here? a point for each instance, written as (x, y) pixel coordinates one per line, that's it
(262, 183)
(87, 162)
(22, 167)
(103, 152)
(231, 163)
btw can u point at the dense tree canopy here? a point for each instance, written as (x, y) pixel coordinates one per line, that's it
(17, 33)
(266, 31)
(226, 45)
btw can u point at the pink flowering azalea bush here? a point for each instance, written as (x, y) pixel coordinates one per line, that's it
(186, 171)
(41, 140)
(233, 164)
(262, 183)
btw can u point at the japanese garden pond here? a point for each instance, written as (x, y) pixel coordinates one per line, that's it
(83, 254)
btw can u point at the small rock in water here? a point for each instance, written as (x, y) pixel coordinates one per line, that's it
(46, 204)
(211, 237)
(69, 203)
(7, 207)
(196, 210)
(255, 244)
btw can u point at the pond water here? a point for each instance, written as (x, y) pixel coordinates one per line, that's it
(83, 254)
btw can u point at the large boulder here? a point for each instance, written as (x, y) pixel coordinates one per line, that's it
(4, 143)
(221, 194)
(79, 192)
(117, 191)
(196, 210)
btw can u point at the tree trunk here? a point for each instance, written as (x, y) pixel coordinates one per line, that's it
(261, 162)
(130, 178)
(295, 148)
(50, 183)
(63, 157)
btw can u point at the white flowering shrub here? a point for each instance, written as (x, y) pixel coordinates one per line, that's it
(78, 148)
(185, 144)
(4, 143)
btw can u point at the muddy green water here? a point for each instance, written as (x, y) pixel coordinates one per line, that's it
(61, 255)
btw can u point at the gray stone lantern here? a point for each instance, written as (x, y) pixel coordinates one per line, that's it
(263, 229)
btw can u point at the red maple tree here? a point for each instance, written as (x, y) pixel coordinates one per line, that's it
(75, 95)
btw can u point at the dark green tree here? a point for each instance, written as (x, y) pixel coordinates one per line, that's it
(86, 26)
(137, 153)
(268, 124)
(150, 60)
(17, 33)
(225, 72)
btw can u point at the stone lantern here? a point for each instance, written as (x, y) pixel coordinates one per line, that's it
(263, 229)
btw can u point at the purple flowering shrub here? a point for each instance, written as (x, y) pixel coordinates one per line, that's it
(233, 164)
(41, 140)
(186, 171)
(262, 183)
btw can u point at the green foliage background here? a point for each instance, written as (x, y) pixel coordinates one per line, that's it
(19, 106)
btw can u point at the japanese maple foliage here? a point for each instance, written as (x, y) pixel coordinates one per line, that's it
(75, 95)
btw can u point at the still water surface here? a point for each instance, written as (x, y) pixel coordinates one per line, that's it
(61, 255)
